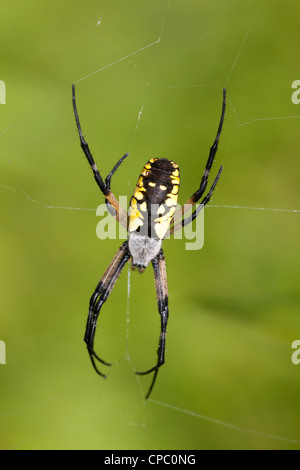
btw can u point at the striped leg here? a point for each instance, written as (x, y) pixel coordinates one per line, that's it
(177, 224)
(100, 296)
(160, 275)
(120, 213)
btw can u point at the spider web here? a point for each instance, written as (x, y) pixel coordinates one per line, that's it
(129, 421)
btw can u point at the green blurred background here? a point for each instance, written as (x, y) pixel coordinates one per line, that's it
(234, 305)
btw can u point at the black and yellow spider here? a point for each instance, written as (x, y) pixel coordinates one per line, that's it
(151, 217)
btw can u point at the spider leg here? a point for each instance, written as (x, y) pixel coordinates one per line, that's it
(199, 206)
(203, 184)
(100, 296)
(108, 178)
(160, 275)
(120, 213)
(110, 208)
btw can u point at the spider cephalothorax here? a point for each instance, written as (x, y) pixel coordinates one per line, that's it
(151, 217)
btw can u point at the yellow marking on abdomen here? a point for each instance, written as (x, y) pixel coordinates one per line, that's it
(138, 195)
(171, 200)
(161, 209)
(143, 206)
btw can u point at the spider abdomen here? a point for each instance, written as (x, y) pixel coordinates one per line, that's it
(154, 201)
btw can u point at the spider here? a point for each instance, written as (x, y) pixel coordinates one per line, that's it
(152, 215)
